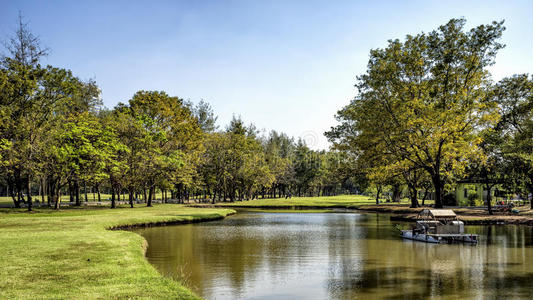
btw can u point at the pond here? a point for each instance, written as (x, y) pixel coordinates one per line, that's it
(255, 255)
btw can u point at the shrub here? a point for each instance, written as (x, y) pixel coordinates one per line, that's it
(472, 197)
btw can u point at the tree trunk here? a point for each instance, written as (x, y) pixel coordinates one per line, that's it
(489, 205)
(43, 190)
(425, 196)
(396, 191)
(98, 191)
(437, 184)
(150, 195)
(56, 202)
(49, 193)
(56, 194)
(77, 192)
(70, 191)
(413, 194)
(28, 187)
(378, 192)
(13, 194)
(19, 196)
(131, 197)
(85, 190)
(113, 203)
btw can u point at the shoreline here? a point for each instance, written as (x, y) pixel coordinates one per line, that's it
(468, 216)
(130, 227)
(400, 212)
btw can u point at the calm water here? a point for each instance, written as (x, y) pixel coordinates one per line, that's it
(338, 256)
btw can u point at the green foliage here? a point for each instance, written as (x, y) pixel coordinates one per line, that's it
(4, 146)
(514, 133)
(473, 198)
(426, 111)
(203, 112)
(421, 103)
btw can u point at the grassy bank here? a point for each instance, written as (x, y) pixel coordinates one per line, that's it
(71, 254)
(341, 201)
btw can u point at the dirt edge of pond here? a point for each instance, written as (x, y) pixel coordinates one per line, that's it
(467, 215)
(402, 212)
(171, 222)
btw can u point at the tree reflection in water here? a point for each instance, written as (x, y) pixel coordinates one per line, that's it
(337, 256)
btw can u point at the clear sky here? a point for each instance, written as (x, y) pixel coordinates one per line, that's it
(283, 65)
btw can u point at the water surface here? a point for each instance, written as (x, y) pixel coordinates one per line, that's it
(338, 256)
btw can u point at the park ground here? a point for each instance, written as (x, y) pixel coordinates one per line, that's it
(70, 253)
(402, 211)
(340, 201)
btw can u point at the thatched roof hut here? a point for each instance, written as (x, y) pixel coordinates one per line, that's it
(437, 214)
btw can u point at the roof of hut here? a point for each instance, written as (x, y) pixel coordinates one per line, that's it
(437, 214)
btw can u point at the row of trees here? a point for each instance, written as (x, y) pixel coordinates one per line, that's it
(427, 114)
(55, 137)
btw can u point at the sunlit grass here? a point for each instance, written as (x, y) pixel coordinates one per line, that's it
(340, 201)
(348, 201)
(70, 255)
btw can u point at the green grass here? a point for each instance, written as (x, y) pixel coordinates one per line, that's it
(340, 201)
(69, 254)
(348, 201)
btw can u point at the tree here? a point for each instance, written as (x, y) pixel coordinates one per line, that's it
(171, 135)
(278, 149)
(306, 164)
(204, 114)
(515, 129)
(214, 163)
(21, 109)
(75, 146)
(421, 101)
(24, 47)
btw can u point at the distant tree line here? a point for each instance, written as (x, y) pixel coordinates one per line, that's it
(428, 114)
(56, 138)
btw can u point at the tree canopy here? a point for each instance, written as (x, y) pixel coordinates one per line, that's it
(422, 105)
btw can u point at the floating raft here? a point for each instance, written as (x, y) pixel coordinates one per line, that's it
(440, 238)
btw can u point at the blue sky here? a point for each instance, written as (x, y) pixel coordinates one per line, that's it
(283, 65)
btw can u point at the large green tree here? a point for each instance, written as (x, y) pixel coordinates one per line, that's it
(515, 129)
(171, 136)
(422, 101)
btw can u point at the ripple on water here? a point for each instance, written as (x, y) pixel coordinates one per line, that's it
(337, 256)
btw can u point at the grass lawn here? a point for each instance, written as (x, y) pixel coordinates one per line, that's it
(69, 254)
(348, 201)
(340, 201)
